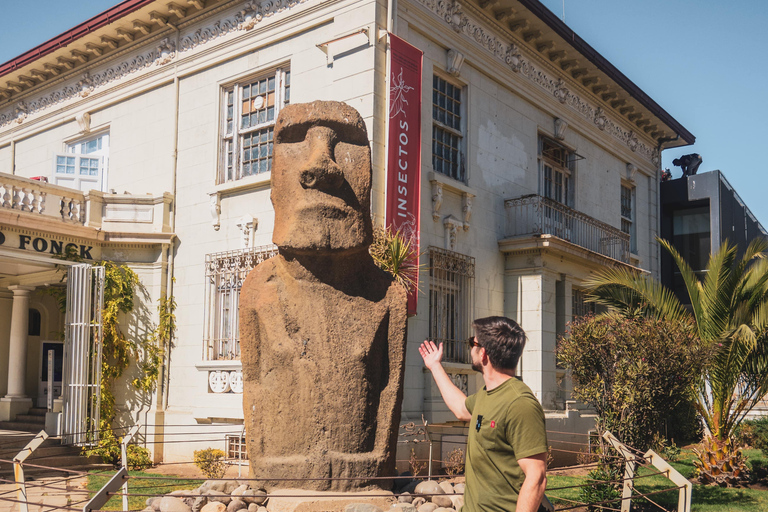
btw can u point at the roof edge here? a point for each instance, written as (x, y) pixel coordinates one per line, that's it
(567, 33)
(112, 14)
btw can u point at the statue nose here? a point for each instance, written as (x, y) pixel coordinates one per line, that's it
(321, 170)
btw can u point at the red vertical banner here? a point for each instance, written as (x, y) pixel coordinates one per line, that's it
(404, 145)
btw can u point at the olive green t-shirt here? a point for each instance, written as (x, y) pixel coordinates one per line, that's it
(511, 427)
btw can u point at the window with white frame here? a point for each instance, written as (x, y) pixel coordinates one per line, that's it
(447, 129)
(556, 168)
(628, 215)
(249, 110)
(83, 165)
(224, 276)
(451, 286)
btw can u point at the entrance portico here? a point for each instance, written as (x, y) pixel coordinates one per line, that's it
(43, 229)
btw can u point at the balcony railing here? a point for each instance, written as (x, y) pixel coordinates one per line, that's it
(537, 215)
(41, 198)
(114, 213)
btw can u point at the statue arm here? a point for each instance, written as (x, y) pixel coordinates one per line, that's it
(391, 398)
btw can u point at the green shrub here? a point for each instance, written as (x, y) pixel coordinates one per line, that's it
(753, 433)
(211, 462)
(684, 424)
(108, 448)
(633, 371)
(138, 457)
(598, 489)
(668, 450)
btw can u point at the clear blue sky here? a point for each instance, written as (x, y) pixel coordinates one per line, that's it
(704, 61)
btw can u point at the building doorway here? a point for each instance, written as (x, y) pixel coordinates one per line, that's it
(58, 365)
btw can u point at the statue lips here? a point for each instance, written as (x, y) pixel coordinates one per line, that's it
(328, 205)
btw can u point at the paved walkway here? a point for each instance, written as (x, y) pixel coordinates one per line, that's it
(46, 494)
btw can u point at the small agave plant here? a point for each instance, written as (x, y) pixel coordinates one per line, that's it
(395, 254)
(720, 463)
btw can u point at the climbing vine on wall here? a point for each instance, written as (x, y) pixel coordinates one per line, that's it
(118, 351)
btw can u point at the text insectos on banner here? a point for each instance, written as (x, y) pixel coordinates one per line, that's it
(404, 145)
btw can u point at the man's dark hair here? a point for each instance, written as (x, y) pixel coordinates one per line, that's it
(502, 338)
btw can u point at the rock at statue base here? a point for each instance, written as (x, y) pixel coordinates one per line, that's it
(428, 487)
(214, 506)
(442, 500)
(170, 504)
(322, 328)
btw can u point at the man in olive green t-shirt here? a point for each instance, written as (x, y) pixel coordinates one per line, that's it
(506, 460)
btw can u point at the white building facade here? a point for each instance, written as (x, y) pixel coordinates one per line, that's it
(153, 129)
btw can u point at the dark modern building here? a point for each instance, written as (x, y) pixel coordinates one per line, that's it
(698, 214)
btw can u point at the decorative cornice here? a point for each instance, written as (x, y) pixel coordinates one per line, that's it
(163, 53)
(452, 13)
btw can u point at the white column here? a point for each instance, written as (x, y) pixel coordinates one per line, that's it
(530, 300)
(16, 402)
(17, 352)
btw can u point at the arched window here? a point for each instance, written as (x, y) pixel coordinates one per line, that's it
(34, 322)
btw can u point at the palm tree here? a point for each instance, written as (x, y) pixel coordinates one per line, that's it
(729, 308)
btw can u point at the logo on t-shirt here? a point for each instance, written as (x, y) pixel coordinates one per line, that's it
(493, 424)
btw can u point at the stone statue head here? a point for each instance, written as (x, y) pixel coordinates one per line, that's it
(321, 178)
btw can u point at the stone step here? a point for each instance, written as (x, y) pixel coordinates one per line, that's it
(42, 452)
(30, 418)
(37, 411)
(21, 426)
(31, 473)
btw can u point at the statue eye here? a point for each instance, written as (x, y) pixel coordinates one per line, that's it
(292, 134)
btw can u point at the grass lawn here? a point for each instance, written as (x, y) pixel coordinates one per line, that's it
(705, 498)
(137, 485)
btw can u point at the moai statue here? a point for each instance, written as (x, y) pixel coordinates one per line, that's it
(322, 328)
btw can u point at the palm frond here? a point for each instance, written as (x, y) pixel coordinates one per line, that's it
(633, 293)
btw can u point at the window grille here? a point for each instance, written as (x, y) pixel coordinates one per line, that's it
(224, 276)
(249, 111)
(235, 447)
(447, 131)
(451, 306)
(580, 306)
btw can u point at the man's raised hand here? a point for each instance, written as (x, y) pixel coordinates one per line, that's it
(431, 354)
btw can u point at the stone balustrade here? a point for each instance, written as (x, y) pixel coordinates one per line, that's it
(113, 213)
(41, 198)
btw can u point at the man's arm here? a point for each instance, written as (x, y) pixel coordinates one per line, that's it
(453, 397)
(532, 490)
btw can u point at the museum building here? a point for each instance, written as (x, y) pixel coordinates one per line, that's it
(144, 136)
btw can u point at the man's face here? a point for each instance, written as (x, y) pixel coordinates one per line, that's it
(321, 178)
(475, 353)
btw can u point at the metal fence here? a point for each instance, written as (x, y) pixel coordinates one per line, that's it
(536, 215)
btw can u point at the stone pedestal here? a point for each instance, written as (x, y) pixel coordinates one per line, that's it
(300, 500)
(12, 406)
(53, 423)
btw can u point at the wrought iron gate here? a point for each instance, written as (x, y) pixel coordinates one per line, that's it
(82, 354)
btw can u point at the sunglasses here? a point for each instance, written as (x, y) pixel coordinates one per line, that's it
(472, 343)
